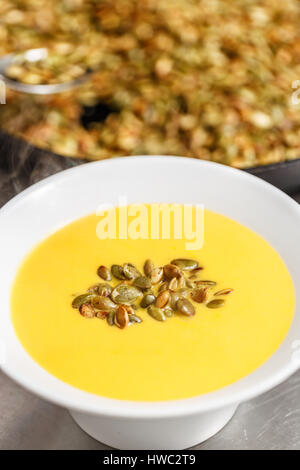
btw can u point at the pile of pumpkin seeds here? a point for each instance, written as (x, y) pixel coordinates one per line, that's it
(163, 291)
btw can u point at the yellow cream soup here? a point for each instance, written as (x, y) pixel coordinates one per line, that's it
(179, 358)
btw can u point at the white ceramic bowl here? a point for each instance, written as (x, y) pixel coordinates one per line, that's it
(54, 202)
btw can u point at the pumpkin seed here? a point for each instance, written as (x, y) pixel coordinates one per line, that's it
(156, 313)
(94, 289)
(173, 284)
(111, 318)
(168, 311)
(103, 303)
(200, 295)
(185, 307)
(224, 292)
(147, 300)
(181, 282)
(156, 275)
(104, 290)
(197, 270)
(216, 303)
(174, 297)
(130, 271)
(102, 314)
(142, 282)
(104, 273)
(162, 299)
(117, 272)
(205, 283)
(82, 299)
(121, 317)
(170, 271)
(125, 294)
(185, 264)
(163, 286)
(87, 311)
(134, 318)
(183, 292)
(148, 267)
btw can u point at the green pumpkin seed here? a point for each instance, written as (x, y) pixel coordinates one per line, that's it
(224, 292)
(134, 318)
(147, 300)
(111, 318)
(82, 299)
(168, 311)
(104, 273)
(185, 264)
(125, 294)
(156, 313)
(181, 282)
(87, 311)
(205, 283)
(130, 271)
(103, 303)
(117, 272)
(183, 292)
(142, 282)
(185, 307)
(216, 303)
(174, 297)
(104, 290)
(200, 295)
(94, 289)
(148, 267)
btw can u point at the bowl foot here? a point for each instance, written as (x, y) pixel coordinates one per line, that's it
(174, 433)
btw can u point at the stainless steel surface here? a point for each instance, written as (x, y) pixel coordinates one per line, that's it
(271, 421)
(34, 55)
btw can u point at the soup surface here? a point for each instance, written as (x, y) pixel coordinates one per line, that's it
(179, 358)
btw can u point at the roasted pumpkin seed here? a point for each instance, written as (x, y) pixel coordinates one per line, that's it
(156, 313)
(121, 317)
(125, 294)
(117, 272)
(104, 273)
(162, 299)
(130, 271)
(148, 267)
(224, 292)
(185, 264)
(102, 314)
(216, 303)
(200, 295)
(156, 275)
(134, 318)
(163, 286)
(142, 282)
(103, 303)
(147, 300)
(82, 299)
(171, 270)
(104, 289)
(87, 311)
(185, 307)
(173, 284)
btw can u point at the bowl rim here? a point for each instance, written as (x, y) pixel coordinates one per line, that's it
(149, 409)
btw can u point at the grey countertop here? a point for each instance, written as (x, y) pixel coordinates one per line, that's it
(271, 421)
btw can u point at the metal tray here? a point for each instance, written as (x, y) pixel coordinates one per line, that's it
(21, 161)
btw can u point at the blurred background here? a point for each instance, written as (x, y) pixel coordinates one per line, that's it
(210, 79)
